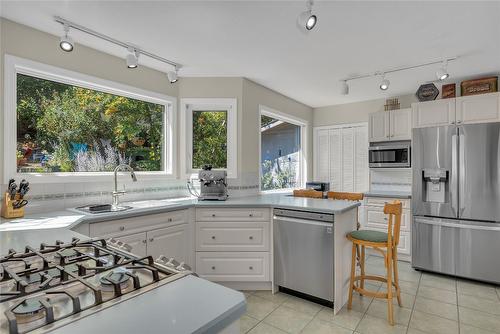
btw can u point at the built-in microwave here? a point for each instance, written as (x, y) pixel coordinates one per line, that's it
(390, 155)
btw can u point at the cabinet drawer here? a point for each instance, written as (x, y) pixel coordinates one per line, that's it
(249, 266)
(255, 214)
(404, 246)
(137, 224)
(381, 201)
(375, 217)
(232, 236)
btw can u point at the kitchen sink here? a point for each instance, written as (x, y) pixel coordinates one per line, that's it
(102, 208)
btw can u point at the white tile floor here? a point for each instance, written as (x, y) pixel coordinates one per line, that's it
(432, 304)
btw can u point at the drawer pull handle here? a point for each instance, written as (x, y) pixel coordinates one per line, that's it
(151, 239)
(250, 215)
(213, 214)
(169, 220)
(213, 267)
(250, 237)
(122, 228)
(213, 237)
(251, 268)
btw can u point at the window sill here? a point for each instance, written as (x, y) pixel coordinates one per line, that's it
(35, 178)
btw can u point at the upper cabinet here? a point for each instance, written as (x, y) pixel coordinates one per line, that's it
(478, 108)
(433, 113)
(461, 110)
(390, 125)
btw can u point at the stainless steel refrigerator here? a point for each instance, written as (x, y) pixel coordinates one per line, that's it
(456, 200)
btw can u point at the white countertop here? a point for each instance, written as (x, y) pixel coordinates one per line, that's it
(69, 218)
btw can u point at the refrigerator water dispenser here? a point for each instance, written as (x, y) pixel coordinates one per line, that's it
(435, 185)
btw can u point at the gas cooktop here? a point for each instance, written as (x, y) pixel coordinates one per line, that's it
(46, 288)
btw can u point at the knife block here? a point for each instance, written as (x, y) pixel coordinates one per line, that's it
(8, 210)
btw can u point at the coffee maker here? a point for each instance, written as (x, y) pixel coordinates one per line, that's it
(213, 184)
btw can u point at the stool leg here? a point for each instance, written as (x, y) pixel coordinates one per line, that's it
(390, 314)
(353, 272)
(362, 265)
(396, 277)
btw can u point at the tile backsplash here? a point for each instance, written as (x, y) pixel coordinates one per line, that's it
(48, 197)
(395, 179)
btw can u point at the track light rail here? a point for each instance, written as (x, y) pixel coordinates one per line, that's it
(94, 33)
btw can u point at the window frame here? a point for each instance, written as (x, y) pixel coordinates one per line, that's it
(15, 65)
(304, 125)
(230, 105)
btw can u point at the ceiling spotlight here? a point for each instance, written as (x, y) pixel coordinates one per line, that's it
(307, 20)
(66, 42)
(132, 58)
(442, 72)
(384, 84)
(172, 76)
(344, 89)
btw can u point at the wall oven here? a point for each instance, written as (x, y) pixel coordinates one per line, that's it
(390, 155)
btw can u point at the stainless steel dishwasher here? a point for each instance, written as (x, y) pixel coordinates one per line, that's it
(303, 254)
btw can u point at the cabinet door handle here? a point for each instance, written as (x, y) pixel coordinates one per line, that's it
(213, 237)
(144, 241)
(250, 237)
(151, 239)
(122, 228)
(251, 268)
(213, 214)
(452, 122)
(213, 267)
(459, 122)
(169, 220)
(250, 215)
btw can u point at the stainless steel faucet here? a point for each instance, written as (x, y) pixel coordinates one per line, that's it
(116, 193)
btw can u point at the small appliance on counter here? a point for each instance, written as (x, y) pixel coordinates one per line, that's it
(13, 202)
(213, 184)
(324, 187)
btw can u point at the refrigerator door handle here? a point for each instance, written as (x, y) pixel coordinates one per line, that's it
(463, 171)
(454, 175)
(462, 225)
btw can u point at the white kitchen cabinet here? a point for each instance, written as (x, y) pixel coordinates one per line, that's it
(390, 125)
(379, 123)
(400, 124)
(232, 236)
(233, 266)
(433, 113)
(374, 218)
(342, 160)
(171, 241)
(478, 108)
(138, 242)
(230, 214)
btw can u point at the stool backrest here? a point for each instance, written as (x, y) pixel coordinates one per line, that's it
(308, 193)
(394, 211)
(345, 196)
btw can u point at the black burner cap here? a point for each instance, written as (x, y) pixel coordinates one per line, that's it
(28, 307)
(114, 277)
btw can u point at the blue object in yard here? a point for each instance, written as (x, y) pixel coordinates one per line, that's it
(76, 148)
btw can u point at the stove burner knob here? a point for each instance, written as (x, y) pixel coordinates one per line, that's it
(183, 267)
(127, 247)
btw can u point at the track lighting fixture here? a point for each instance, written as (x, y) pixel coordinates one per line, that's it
(172, 76)
(307, 20)
(384, 84)
(442, 72)
(132, 58)
(66, 43)
(344, 89)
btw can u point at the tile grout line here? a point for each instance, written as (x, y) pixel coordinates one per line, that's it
(413, 307)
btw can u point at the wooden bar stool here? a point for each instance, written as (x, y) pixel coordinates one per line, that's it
(347, 197)
(378, 241)
(307, 193)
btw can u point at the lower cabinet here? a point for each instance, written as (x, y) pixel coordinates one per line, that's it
(170, 241)
(374, 218)
(233, 266)
(233, 244)
(170, 234)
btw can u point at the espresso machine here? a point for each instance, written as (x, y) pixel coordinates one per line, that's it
(213, 184)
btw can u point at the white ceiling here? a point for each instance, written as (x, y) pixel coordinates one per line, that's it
(260, 40)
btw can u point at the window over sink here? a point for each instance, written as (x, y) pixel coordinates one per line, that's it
(61, 123)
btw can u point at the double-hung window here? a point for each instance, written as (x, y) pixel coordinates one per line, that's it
(210, 134)
(62, 123)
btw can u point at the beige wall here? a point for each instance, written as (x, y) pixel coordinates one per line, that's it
(255, 95)
(354, 112)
